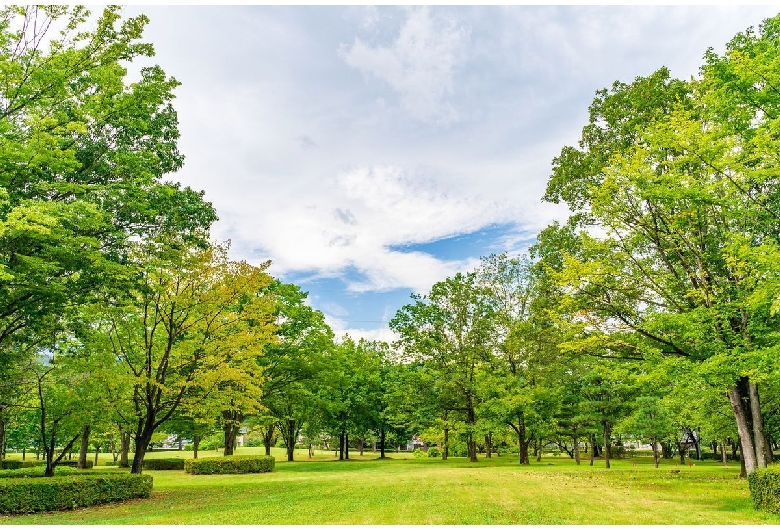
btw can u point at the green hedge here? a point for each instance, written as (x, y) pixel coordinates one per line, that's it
(765, 489)
(164, 463)
(17, 464)
(40, 494)
(223, 465)
(75, 463)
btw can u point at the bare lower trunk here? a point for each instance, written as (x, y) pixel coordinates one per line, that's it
(592, 448)
(124, 439)
(382, 443)
(723, 456)
(82, 462)
(748, 452)
(607, 433)
(487, 446)
(97, 452)
(268, 439)
(346, 446)
(656, 455)
(445, 450)
(758, 425)
(195, 446)
(577, 449)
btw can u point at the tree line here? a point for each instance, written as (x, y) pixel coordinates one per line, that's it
(649, 315)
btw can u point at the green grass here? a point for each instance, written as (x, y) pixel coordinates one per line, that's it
(404, 490)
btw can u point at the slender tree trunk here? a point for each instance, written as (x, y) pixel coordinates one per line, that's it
(487, 446)
(723, 456)
(682, 453)
(124, 441)
(195, 446)
(445, 451)
(382, 442)
(592, 448)
(290, 436)
(747, 450)
(268, 439)
(656, 456)
(607, 451)
(3, 429)
(341, 445)
(346, 446)
(471, 421)
(230, 432)
(758, 426)
(360, 444)
(577, 449)
(97, 452)
(82, 462)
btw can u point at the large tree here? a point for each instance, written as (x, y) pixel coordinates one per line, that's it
(452, 329)
(674, 187)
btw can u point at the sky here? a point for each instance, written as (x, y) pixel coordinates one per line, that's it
(370, 152)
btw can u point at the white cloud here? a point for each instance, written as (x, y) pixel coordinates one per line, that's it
(420, 64)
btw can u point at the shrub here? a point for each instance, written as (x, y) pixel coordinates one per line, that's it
(433, 452)
(164, 463)
(110, 463)
(190, 447)
(39, 494)
(765, 489)
(74, 463)
(222, 465)
(418, 453)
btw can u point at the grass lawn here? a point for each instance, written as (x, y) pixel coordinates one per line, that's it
(429, 491)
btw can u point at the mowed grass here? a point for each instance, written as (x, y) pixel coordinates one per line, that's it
(429, 491)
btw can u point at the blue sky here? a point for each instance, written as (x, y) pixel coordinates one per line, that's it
(372, 151)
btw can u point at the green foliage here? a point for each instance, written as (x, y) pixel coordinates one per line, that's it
(433, 452)
(230, 465)
(164, 463)
(75, 463)
(18, 464)
(418, 453)
(765, 489)
(66, 492)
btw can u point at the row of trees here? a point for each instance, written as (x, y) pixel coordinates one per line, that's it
(650, 314)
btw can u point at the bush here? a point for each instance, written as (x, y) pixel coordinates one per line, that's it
(164, 463)
(418, 453)
(190, 447)
(110, 463)
(66, 492)
(765, 489)
(74, 463)
(222, 465)
(433, 452)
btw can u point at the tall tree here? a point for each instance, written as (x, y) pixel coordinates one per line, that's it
(452, 329)
(195, 319)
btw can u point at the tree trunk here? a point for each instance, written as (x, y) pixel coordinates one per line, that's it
(471, 421)
(97, 452)
(195, 446)
(682, 453)
(656, 456)
(82, 462)
(723, 453)
(268, 439)
(607, 451)
(124, 439)
(758, 425)
(341, 445)
(2, 438)
(290, 438)
(577, 449)
(382, 442)
(487, 446)
(346, 446)
(592, 448)
(747, 450)
(445, 450)
(230, 431)
(360, 444)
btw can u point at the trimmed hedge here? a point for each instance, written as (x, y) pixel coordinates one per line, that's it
(223, 465)
(765, 489)
(17, 464)
(41, 494)
(164, 463)
(74, 463)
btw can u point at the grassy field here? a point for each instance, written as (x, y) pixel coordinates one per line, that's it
(404, 490)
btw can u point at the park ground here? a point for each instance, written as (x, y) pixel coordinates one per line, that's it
(407, 490)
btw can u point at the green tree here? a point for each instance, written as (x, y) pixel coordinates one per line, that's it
(451, 328)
